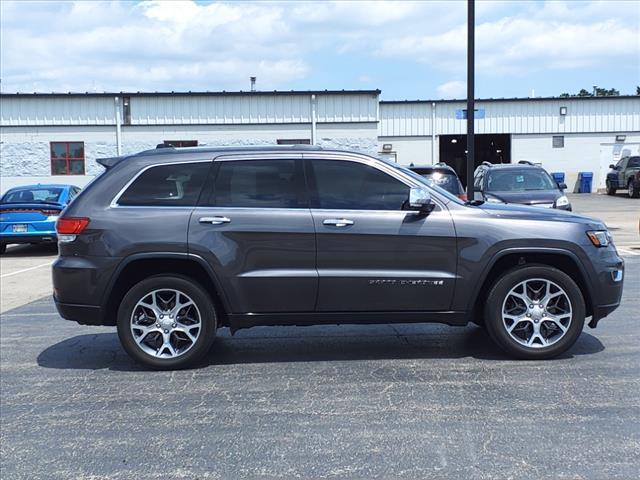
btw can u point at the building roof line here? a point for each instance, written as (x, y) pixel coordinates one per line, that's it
(513, 99)
(191, 93)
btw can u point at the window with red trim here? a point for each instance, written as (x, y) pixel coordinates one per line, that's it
(67, 158)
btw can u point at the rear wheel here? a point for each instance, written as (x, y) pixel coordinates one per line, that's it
(610, 189)
(633, 189)
(3, 248)
(535, 312)
(166, 322)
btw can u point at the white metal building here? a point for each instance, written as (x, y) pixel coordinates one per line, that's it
(567, 135)
(57, 137)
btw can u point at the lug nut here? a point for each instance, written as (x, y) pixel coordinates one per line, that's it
(166, 331)
(161, 315)
(528, 314)
(157, 325)
(173, 325)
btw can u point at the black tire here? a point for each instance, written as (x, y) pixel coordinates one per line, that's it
(493, 312)
(610, 189)
(3, 248)
(203, 303)
(633, 189)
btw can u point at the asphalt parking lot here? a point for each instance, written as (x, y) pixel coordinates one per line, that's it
(402, 401)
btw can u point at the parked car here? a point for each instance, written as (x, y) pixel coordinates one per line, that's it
(443, 176)
(28, 214)
(523, 183)
(625, 174)
(171, 244)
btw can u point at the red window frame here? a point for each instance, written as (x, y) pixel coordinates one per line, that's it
(67, 157)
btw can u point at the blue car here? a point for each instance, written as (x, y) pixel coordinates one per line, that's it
(28, 214)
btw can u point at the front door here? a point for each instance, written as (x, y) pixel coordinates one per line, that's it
(373, 256)
(255, 229)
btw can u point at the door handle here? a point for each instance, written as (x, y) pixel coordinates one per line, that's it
(214, 220)
(337, 222)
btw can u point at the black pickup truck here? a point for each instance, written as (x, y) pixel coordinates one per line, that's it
(625, 174)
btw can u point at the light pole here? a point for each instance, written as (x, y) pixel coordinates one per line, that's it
(470, 96)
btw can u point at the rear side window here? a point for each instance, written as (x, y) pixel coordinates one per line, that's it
(343, 185)
(176, 185)
(634, 162)
(259, 184)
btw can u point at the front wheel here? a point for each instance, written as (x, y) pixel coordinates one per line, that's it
(535, 312)
(166, 322)
(610, 189)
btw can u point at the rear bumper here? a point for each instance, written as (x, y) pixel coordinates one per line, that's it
(39, 237)
(83, 314)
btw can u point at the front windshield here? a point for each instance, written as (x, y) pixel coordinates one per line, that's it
(425, 181)
(519, 180)
(33, 195)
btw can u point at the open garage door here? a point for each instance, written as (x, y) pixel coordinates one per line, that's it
(494, 148)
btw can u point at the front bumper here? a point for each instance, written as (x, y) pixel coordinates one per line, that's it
(607, 285)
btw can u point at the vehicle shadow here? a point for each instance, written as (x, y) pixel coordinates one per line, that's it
(291, 344)
(38, 250)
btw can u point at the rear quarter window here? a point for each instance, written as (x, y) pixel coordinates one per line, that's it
(175, 185)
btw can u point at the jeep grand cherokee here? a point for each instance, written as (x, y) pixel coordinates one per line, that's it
(171, 244)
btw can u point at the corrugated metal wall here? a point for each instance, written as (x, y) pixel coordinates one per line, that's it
(190, 109)
(56, 110)
(517, 117)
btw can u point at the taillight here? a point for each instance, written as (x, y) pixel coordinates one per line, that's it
(50, 213)
(71, 225)
(462, 197)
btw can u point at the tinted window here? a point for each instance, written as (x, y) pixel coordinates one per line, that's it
(167, 185)
(259, 184)
(519, 180)
(444, 179)
(634, 162)
(33, 195)
(354, 186)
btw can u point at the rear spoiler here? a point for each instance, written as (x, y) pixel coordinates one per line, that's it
(109, 161)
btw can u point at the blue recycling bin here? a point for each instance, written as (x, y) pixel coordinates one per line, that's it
(585, 179)
(558, 177)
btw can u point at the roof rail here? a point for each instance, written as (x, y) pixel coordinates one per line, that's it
(526, 162)
(487, 164)
(441, 164)
(164, 145)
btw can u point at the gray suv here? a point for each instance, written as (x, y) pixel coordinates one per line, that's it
(171, 244)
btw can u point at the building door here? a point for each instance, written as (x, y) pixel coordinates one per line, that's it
(494, 148)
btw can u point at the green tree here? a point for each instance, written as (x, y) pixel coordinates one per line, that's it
(637, 90)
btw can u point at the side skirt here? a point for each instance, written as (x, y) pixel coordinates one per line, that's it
(247, 320)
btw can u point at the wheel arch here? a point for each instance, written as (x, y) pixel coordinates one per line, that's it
(564, 260)
(137, 267)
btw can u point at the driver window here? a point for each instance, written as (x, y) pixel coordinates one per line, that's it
(344, 185)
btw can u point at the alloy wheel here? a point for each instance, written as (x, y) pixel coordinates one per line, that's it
(165, 323)
(536, 313)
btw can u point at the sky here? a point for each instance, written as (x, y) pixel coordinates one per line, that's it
(409, 50)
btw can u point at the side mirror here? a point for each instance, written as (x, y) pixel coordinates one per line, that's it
(612, 166)
(562, 186)
(420, 199)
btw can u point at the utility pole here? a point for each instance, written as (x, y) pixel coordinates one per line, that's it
(470, 96)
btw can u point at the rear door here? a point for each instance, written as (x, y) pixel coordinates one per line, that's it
(372, 254)
(255, 229)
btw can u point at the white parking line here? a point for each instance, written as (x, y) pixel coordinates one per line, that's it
(53, 314)
(17, 272)
(626, 251)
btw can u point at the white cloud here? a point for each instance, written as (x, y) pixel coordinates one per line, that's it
(166, 45)
(452, 89)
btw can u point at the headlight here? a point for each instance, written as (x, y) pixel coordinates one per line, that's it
(563, 201)
(493, 200)
(600, 238)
